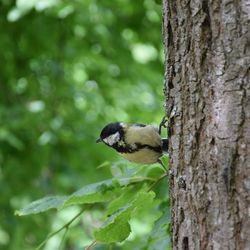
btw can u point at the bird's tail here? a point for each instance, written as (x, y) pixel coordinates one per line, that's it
(164, 145)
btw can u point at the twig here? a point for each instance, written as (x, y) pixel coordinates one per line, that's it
(63, 237)
(66, 226)
(137, 178)
(91, 245)
(157, 181)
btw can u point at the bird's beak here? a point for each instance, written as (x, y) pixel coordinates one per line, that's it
(98, 140)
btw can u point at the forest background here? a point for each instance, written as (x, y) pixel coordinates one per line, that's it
(67, 69)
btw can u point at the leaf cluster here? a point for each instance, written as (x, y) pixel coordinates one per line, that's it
(122, 199)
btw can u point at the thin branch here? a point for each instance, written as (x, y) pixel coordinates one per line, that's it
(66, 226)
(63, 238)
(157, 181)
(137, 179)
(91, 245)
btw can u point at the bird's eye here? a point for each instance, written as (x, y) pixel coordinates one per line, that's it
(112, 139)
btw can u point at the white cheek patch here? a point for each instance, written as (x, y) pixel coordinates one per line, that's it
(112, 139)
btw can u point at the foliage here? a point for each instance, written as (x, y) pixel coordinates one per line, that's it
(68, 68)
(123, 200)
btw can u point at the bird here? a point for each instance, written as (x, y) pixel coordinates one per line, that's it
(136, 142)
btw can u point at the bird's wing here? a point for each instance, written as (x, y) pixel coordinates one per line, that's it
(147, 135)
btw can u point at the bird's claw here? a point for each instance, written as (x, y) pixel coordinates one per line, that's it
(164, 123)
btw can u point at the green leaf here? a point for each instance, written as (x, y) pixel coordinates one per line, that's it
(159, 237)
(100, 191)
(42, 205)
(116, 228)
(142, 200)
(93, 193)
(96, 192)
(125, 198)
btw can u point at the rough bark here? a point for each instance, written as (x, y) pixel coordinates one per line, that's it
(207, 88)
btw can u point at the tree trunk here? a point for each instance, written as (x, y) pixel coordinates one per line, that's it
(207, 88)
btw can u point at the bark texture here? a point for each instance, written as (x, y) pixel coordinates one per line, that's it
(207, 88)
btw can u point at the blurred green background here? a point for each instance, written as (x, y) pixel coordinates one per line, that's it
(68, 68)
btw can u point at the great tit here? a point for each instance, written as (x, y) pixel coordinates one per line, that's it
(138, 143)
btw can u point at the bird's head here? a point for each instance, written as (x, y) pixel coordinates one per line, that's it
(111, 134)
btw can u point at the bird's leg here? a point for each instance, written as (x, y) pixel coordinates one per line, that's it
(164, 123)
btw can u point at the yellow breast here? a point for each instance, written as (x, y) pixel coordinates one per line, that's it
(143, 156)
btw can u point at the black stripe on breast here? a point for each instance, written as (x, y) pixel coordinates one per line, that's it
(157, 149)
(134, 148)
(125, 148)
